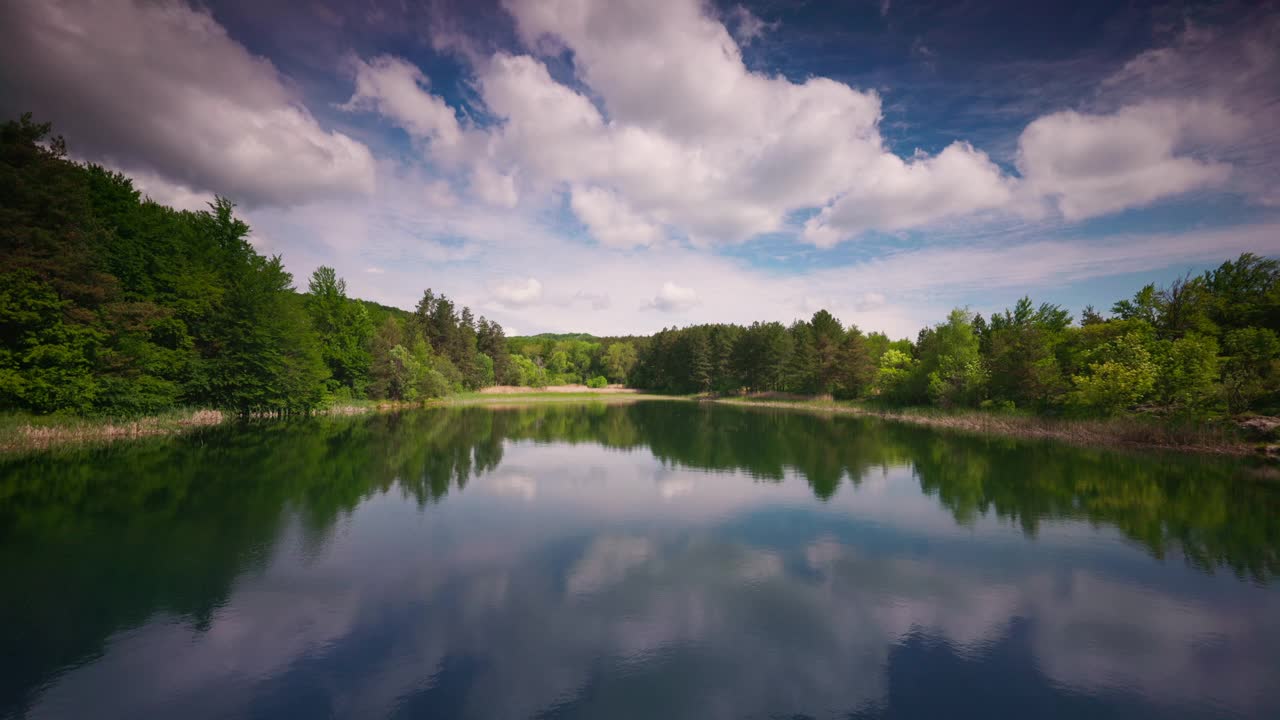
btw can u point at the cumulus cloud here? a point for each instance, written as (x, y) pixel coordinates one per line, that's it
(674, 298)
(396, 89)
(161, 87)
(494, 187)
(666, 129)
(683, 135)
(439, 194)
(610, 220)
(518, 293)
(903, 194)
(1095, 164)
(746, 26)
(1232, 66)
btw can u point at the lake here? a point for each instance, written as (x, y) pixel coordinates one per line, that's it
(652, 560)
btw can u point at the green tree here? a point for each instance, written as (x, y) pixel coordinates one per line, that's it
(950, 361)
(45, 363)
(700, 363)
(893, 376)
(619, 360)
(343, 328)
(1187, 377)
(385, 373)
(1250, 374)
(1120, 374)
(263, 356)
(1021, 349)
(492, 341)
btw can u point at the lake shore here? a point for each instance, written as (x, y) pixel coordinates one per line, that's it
(1130, 433)
(21, 432)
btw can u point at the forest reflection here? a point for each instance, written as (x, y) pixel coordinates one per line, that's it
(114, 535)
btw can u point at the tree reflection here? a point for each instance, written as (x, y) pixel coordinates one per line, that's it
(109, 537)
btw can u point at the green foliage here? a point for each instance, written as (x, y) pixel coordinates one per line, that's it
(1187, 379)
(951, 363)
(1196, 349)
(343, 328)
(570, 359)
(597, 382)
(46, 363)
(526, 372)
(619, 360)
(1120, 374)
(1021, 349)
(112, 304)
(1250, 374)
(893, 377)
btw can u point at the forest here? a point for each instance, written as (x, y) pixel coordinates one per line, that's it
(111, 304)
(1201, 347)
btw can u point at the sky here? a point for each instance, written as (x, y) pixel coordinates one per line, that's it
(621, 166)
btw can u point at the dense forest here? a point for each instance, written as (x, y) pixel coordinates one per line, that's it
(1203, 346)
(113, 304)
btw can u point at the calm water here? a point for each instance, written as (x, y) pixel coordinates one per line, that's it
(659, 560)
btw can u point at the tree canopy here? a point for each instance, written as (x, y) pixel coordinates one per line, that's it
(111, 303)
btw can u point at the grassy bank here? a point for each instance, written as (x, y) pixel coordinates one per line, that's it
(21, 432)
(24, 432)
(1220, 438)
(489, 399)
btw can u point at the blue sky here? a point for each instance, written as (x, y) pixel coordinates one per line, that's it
(618, 167)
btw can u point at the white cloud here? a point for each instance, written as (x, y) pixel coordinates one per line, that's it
(667, 129)
(439, 194)
(162, 88)
(1095, 164)
(900, 194)
(166, 192)
(685, 135)
(610, 220)
(493, 187)
(518, 293)
(746, 26)
(674, 298)
(396, 89)
(1232, 67)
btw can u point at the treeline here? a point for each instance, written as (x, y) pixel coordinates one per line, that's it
(569, 359)
(113, 304)
(1203, 346)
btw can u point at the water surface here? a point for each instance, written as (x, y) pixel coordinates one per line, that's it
(656, 560)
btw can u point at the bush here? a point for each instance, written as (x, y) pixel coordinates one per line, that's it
(598, 381)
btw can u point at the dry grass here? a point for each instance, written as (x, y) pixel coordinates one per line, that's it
(20, 432)
(38, 433)
(1109, 432)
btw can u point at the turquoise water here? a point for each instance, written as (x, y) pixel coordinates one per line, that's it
(657, 560)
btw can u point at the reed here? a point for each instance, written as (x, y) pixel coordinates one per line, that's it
(1206, 437)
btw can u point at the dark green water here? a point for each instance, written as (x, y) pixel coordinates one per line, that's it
(659, 560)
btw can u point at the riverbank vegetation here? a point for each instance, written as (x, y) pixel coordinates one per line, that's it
(1122, 431)
(115, 307)
(1201, 350)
